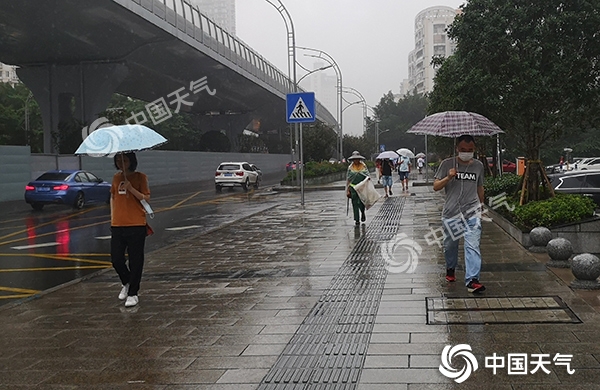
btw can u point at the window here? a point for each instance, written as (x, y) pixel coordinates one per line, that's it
(592, 180)
(439, 39)
(439, 50)
(93, 178)
(170, 4)
(188, 12)
(81, 178)
(571, 182)
(439, 28)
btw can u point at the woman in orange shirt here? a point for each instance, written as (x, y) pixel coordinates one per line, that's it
(128, 224)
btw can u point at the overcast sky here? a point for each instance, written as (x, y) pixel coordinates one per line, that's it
(369, 39)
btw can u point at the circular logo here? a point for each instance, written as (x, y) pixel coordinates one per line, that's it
(402, 248)
(463, 350)
(103, 143)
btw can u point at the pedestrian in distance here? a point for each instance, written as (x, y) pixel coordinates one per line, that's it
(378, 169)
(420, 164)
(357, 172)
(128, 225)
(403, 171)
(387, 167)
(462, 179)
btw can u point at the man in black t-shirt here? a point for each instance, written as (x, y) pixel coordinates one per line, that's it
(386, 176)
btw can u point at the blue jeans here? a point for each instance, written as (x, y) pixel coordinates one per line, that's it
(455, 228)
(387, 181)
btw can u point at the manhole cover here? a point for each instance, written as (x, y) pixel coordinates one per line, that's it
(499, 310)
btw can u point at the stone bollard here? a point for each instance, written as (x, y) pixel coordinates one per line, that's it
(559, 250)
(540, 237)
(586, 269)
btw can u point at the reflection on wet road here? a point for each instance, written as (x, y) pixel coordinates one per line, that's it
(43, 249)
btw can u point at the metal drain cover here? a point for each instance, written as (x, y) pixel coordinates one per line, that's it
(499, 310)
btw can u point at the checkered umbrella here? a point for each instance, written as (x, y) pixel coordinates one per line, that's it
(454, 124)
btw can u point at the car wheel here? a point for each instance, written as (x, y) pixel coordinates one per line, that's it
(218, 188)
(256, 184)
(79, 201)
(37, 206)
(245, 185)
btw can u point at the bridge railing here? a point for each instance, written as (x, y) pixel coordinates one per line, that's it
(188, 19)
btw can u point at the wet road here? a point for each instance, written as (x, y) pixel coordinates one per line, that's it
(43, 249)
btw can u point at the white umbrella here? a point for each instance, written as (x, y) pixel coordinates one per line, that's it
(405, 152)
(108, 141)
(388, 154)
(420, 155)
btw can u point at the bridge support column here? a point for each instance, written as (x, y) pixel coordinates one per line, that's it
(65, 92)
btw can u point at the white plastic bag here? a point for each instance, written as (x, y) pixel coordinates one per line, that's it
(367, 193)
(147, 208)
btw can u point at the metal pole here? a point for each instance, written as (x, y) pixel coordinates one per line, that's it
(301, 169)
(426, 162)
(377, 137)
(338, 72)
(498, 156)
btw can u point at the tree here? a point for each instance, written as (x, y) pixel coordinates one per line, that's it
(531, 67)
(398, 117)
(319, 142)
(12, 118)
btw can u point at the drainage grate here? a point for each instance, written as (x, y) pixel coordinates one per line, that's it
(499, 310)
(329, 348)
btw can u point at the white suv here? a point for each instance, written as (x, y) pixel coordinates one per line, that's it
(231, 174)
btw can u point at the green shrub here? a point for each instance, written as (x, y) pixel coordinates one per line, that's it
(507, 184)
(316, 169)
(559, 210)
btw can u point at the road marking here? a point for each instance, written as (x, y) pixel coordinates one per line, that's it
(19, 290)
(35, 246)
(185, 200)
(183, 227)
(52, 268)
(103, 238)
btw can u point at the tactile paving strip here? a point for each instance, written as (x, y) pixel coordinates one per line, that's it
(329, 348)
(499, 310)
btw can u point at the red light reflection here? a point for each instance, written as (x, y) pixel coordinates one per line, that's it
(63, 237)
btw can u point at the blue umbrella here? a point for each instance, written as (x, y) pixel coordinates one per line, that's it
(108, 141)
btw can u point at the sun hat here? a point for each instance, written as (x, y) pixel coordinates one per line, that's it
(356, 156)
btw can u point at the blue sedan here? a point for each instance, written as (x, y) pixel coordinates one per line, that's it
(71, 187)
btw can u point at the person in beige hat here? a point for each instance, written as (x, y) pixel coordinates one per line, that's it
(357, 171)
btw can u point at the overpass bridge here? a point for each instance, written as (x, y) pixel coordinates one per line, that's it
(74, 54)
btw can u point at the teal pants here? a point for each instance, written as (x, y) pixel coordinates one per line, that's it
(357, 205)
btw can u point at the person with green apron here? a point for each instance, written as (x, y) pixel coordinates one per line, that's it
(357, 172)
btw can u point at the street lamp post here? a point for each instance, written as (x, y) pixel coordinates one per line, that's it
(329, 59)
(291, 40)
(378, 133)
(364, 104)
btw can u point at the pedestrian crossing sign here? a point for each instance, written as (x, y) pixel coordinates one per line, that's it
(300, 107)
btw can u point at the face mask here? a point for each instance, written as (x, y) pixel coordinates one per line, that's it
(465, 156)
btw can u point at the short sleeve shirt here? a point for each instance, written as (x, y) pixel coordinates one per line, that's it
(461, 192)
(126, 209)
(404, 162)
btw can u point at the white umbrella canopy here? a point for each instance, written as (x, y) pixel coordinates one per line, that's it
(421, 154)
(405, 152)
(388, 154)
(108, 141)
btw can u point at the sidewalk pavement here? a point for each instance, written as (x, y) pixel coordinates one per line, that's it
(295, 298)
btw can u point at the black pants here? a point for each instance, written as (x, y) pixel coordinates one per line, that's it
(132, 240)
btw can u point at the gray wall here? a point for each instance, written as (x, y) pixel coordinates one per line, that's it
(14, 171)
(19, 166)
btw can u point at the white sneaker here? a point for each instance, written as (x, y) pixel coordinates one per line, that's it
(132, 301)
(124, 291)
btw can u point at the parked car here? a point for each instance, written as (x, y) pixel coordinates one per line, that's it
(577, 182)
(232, 174)
(592, 163)
(70, 187)
(507, 166)
(290, 166)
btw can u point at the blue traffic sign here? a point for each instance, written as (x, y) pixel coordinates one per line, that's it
(300, 107)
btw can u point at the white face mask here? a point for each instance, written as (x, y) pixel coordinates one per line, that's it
(465, 156)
